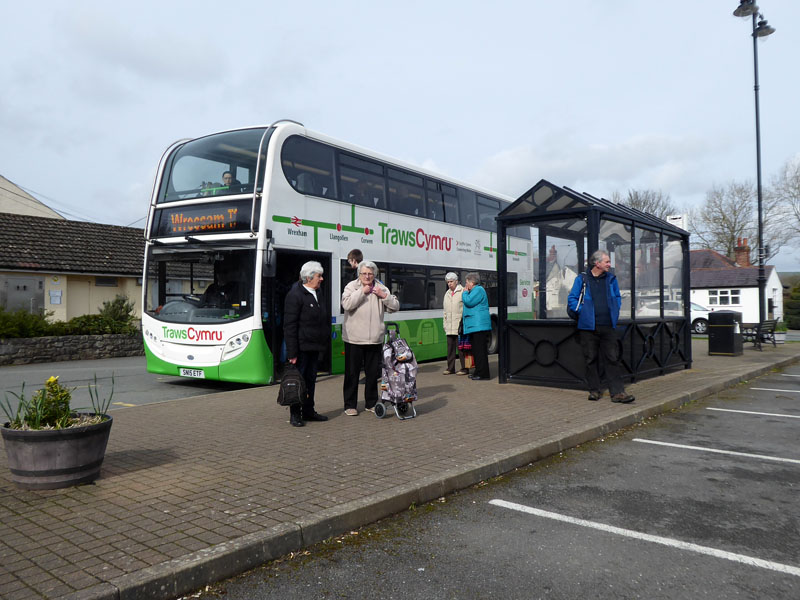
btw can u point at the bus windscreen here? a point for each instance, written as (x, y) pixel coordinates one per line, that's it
(216, 165)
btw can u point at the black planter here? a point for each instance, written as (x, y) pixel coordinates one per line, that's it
(57, 458)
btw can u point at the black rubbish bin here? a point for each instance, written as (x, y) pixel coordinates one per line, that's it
(725, 333)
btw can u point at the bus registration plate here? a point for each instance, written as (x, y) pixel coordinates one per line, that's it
(197, 373)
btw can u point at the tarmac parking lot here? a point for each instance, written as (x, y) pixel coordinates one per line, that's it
(700, 502)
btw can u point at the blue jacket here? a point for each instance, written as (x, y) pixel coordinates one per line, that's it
(476, 310)
(586, 313)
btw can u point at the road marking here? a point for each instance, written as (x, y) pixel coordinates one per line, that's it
(774, 390)
(123, 404)
(730, 452)
(751, 412)
(656, 539)
(789, 375)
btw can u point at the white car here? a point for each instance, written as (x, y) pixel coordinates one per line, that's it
(673, 308)
(699, 318)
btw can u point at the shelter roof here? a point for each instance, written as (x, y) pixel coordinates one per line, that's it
(58, 245)
(547, 200)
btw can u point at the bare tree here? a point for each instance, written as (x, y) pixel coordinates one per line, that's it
(653, 202)
(730, 213)
(786, 190)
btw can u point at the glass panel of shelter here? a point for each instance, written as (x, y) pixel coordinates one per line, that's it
(558, 257)
(562, 267)
(615, 238)
(673, 277)
(648, 272)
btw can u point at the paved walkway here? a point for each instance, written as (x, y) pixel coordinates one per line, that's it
(198, 489)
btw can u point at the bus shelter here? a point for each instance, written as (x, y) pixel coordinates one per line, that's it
(538, 341)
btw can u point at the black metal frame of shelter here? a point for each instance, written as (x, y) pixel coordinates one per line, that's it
(544, 350)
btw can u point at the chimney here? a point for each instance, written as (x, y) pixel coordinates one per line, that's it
(742, 253)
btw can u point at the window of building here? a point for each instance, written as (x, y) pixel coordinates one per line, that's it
(105, 281)
(724, 297)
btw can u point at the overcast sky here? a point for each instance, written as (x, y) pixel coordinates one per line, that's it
(596, 95)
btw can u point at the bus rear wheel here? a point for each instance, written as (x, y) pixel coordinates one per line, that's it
(493, 342)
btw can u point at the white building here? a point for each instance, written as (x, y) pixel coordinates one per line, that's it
(723, 284)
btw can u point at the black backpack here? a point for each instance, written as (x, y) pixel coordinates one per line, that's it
(293, 387)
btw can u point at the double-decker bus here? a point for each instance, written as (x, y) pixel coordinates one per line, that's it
(235, 214)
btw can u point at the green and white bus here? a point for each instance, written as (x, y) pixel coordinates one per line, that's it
(234, 215)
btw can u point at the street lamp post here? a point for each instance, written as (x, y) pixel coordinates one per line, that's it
(749, 8)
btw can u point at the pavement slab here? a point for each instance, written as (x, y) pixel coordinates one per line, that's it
(195, 490)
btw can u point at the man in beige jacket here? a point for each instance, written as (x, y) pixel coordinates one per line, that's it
(364, 302)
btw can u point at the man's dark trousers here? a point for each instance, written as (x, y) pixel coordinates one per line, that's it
(307, 363)
(602, 342)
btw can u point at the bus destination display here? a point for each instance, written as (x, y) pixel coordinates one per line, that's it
(216, 217)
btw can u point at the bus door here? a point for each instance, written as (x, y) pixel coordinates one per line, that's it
(273, 294)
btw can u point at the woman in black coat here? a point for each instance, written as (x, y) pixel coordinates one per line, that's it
(307, 332)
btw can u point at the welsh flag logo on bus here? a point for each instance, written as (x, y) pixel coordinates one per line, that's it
(297, 221)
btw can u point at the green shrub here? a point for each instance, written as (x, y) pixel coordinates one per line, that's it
(791, 308)
(119, 310)
(115, 316)
(21, 323)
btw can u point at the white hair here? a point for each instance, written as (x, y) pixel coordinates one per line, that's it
(596, 257)
(451, 277)
(369, 265)
(308, 270)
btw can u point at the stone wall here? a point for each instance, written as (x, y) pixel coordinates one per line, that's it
(23, 351)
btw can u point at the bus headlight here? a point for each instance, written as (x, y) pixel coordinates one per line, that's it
(235, 346)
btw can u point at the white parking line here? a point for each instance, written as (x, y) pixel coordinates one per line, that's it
(656, 539)
(751, 412)
(730, 452)
(788, 375)
(774, 390)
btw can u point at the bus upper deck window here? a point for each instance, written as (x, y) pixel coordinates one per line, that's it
(308, 166)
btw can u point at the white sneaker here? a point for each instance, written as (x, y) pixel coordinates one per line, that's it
(372, 410)
(351, 412)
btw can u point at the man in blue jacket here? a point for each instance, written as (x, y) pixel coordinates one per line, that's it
(597, 320)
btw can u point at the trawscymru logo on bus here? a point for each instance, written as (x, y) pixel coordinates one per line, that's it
(192, 333)
(418, 238)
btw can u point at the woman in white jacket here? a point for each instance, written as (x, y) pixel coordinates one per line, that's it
(364, 301)
(453, 307)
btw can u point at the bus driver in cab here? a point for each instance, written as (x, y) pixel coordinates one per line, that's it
(225, 290)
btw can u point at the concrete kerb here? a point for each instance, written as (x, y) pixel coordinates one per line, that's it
(180, 576)
(191, 572)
